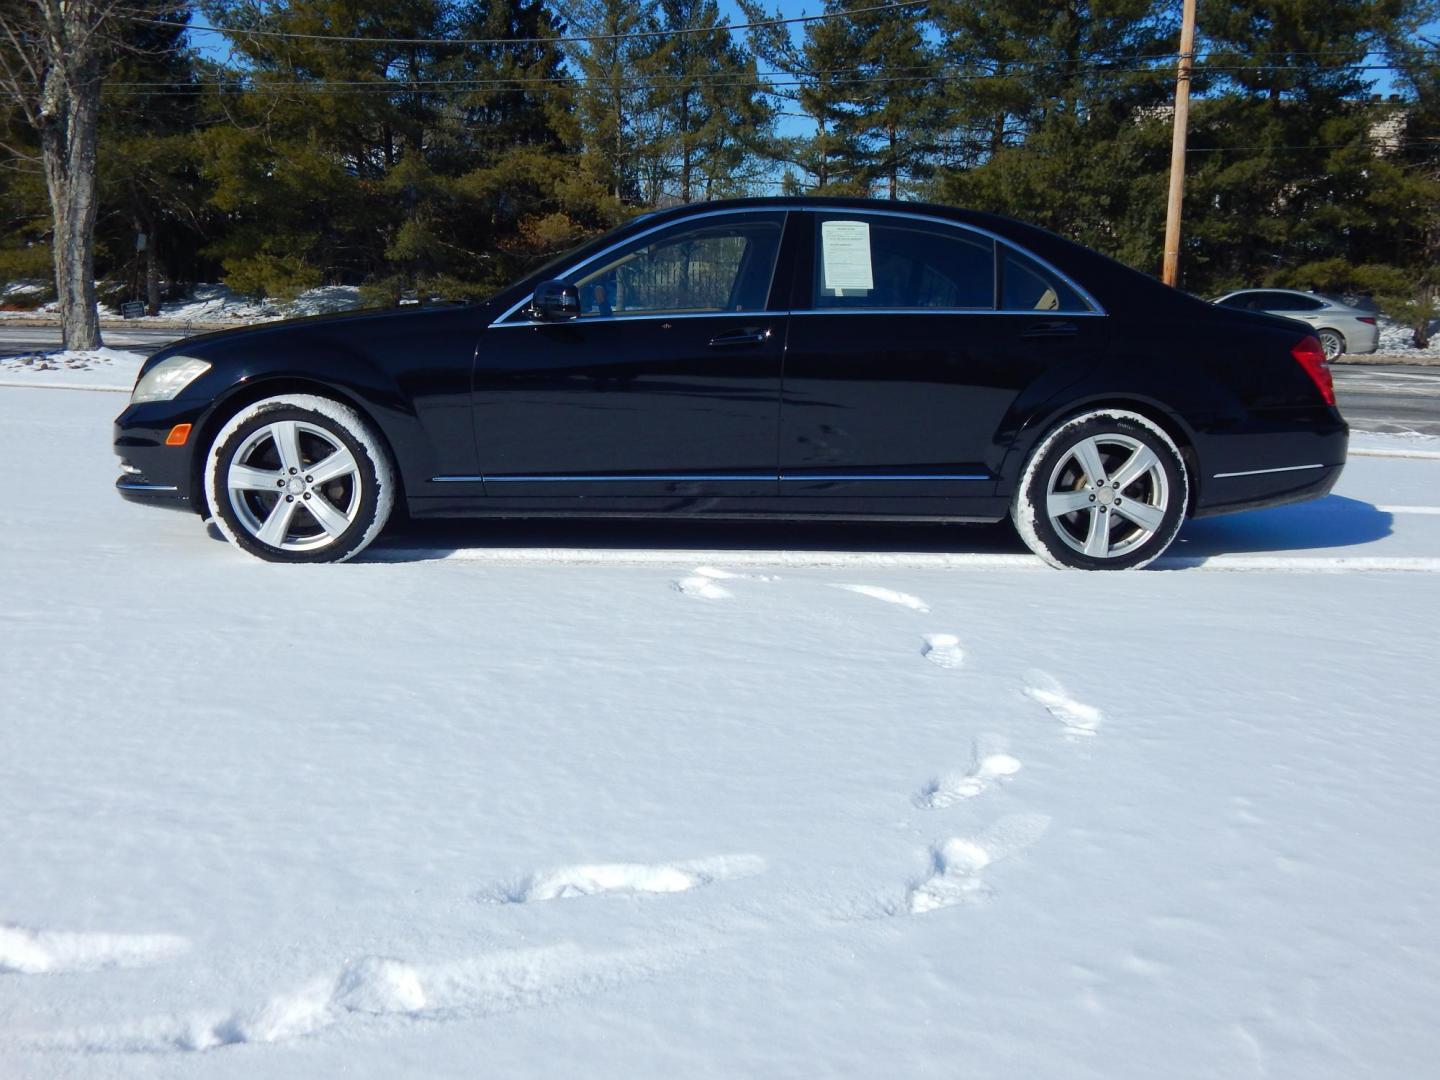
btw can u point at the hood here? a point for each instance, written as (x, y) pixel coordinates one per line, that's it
(207, 345)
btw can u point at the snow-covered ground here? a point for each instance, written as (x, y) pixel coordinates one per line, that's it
(1399, 341)
(575, 800)
(214, 303)
(86, 369)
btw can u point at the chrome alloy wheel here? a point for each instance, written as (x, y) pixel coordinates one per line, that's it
(294, 486)
(1332, 343)
(1107, 496)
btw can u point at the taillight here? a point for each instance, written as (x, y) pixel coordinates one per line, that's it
(1368, 320)
(1310, 355)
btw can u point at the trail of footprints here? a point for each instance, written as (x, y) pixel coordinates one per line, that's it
(507, 980)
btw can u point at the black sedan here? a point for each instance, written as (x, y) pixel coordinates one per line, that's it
(799, 357)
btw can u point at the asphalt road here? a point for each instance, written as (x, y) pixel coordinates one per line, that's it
(19, 340)
(1392, 398)
(1379, 398)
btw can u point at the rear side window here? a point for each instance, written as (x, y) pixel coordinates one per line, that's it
(1025, 285)
(864, 261)
(1280, 301)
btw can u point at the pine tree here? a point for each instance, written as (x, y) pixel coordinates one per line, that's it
(1051, 106)
(892, 118)
(153, 217)
(1283, 169)
(816, 78)
(615, 104)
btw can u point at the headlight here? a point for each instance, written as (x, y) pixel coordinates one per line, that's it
(168, 378)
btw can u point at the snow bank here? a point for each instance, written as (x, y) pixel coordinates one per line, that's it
(28, 287)
(94, 369)
(1398, 340)
(211, 303)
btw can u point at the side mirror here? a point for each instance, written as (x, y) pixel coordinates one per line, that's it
(555, 301)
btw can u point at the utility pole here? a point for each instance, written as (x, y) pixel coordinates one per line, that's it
(1171, 272)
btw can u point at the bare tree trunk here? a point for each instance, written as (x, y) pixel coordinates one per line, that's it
(68, 137)
(56, 57)
(152, 271)
(894, 166)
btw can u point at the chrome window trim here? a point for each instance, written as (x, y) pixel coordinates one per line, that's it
(1096, 307)
(561, 275)
(760, 314)
(1262, 472)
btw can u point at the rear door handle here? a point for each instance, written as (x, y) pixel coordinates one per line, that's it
(1052, 328)
(742, 339)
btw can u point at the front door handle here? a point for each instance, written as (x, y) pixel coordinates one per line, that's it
(1052, 328)
(742, 339)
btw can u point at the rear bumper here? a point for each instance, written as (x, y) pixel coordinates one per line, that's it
(1257, 491)
(1280, 456)
(1361, 338)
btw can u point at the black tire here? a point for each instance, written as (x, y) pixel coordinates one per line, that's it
(1333, 342)
(308, 516)
(1102, 516)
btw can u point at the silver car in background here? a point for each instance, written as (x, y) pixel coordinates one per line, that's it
(1340, 327)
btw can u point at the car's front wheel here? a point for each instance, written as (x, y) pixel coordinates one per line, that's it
(299, 478)
(1104, 491)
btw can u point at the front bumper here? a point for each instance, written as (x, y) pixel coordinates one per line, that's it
(151, 472)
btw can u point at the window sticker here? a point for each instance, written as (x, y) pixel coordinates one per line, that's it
(845, 257)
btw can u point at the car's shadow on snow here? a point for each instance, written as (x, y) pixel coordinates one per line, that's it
(1331, 522)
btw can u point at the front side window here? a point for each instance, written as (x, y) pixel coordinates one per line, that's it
(709, 266)
(864, 261)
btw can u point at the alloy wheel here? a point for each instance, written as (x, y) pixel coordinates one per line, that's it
(1107, 495)
(294, 486)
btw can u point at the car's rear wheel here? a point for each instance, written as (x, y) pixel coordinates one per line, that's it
(1333, 342)
(299, 478)
(1104, 491)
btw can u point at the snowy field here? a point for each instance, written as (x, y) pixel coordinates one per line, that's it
(526, 801)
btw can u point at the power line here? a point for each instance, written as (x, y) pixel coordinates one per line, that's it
(559, 40)
(760, 81)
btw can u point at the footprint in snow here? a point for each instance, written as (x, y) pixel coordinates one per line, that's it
(45, 952)
(943, 650)
(889, 596)
(1079, 719)
(730, 576)
(596, 878)
(957, 865)
(377, 986)
(703, 582)
(702, 586)
(990, 765)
